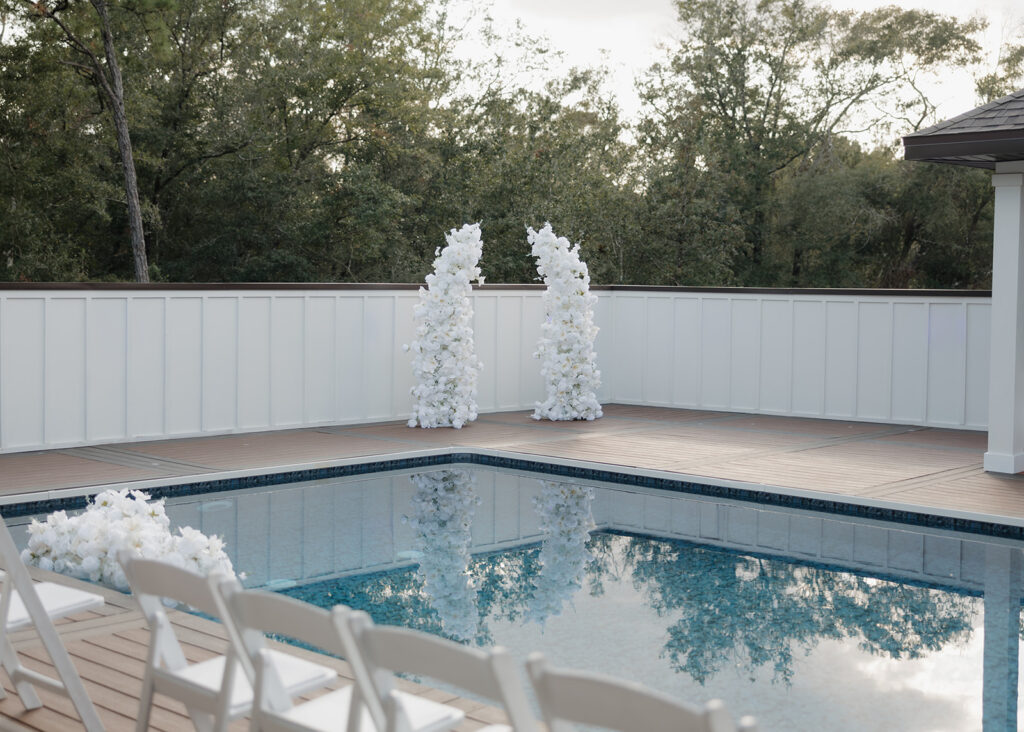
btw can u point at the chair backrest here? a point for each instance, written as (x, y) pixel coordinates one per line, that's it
(153, 581)
(592, 699)
(152, 578)
(255, 612)
(69, 683)
(491, 674)
(270, 612)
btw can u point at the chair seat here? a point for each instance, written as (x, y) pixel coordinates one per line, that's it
(58, 600)
(297, 675)
(327, 713)
(425, 715)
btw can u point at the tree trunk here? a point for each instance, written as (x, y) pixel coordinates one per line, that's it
(124, 146)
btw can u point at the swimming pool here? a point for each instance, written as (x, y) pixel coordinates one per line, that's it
(789, 615)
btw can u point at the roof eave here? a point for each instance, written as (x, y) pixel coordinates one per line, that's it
(975, 150)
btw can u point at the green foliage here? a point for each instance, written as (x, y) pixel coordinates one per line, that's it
(1007, 76)
(852, 218)
(337, 141)
(54, 176)
(516, 158)
(757, 93)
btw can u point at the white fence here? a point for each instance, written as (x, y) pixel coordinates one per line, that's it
(88, 366)
(883, 358)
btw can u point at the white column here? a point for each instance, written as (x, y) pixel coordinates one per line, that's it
(1006, 384)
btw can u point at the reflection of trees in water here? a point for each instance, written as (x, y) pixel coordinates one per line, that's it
(504, 582)
(725, 610)
(750, 612)
(392, 597)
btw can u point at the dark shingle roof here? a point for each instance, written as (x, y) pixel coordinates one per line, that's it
(980, 138)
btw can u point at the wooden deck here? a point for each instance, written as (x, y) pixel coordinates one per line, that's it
(931, 469)
(926, 469)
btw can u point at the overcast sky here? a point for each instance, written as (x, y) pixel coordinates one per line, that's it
(630, 31)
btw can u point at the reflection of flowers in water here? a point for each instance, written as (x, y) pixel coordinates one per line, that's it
(443, 507)
(566, 523)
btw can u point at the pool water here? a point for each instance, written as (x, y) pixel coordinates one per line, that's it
(805, 620)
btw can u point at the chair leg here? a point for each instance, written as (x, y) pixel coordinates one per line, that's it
(203, 721)
(222, 715)
(145, 704)
(3, 659)
(11, 664)
(220, 721)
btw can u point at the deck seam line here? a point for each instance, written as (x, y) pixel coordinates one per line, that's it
(939, 476)
(130, 458)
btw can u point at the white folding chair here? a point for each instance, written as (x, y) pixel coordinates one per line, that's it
(25, 603)
(214, 691)
(255, 612)
(386, 649)
(593, 699)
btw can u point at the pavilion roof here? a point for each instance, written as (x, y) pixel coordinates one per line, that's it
(980, 138)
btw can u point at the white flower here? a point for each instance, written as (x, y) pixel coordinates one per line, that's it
(566, 345)
(444, 358)
(443, 505)
(86, 545)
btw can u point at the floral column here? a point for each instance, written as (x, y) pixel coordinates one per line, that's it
(444, 358)
(566, 346)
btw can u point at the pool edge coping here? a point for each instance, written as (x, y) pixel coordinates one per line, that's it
(996, 525)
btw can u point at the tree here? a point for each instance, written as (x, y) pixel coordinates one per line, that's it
(294, 158)
(859, 219)
(299, 140)
(52, 192)
(105, 74)
(758, 87)
(1006, 77)
(514, 157)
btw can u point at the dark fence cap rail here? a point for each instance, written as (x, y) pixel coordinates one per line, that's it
(355, 286)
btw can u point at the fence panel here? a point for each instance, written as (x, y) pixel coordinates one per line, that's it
(87, 366)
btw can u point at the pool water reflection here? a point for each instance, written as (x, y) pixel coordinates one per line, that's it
(786, 615)
(791, 616)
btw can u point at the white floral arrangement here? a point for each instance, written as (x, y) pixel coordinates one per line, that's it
(444, 503)
(86, 545)
(566, 346)
(444, 357)
(566, 522)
